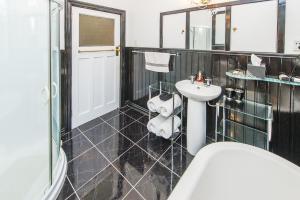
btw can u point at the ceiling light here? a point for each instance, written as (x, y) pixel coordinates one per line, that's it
(201, 2)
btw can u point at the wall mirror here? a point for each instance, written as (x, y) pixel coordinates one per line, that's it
(258, 31)
(207, 29)
(292, 26)
(271, 27)
(174, 31)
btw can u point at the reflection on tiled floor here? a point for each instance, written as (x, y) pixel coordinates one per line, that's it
(114, 157)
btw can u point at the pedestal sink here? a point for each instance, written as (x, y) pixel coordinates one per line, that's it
(197, 96)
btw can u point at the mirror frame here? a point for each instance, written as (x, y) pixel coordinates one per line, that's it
(281, 13)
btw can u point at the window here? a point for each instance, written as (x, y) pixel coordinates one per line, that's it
(96, 31)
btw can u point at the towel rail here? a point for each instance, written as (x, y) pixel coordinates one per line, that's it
(141, 52)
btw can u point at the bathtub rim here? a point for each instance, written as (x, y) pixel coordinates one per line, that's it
(203, 157)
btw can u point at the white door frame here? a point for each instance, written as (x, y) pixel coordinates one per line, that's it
(67, 70)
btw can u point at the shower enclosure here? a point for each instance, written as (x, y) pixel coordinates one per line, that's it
(33, 166)
(200, 38)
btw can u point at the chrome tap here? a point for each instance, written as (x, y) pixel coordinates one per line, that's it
(208, 82)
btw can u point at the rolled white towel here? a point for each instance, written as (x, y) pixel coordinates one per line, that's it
(166, 108)
(154, 124)
(165, 129)
(154, 103)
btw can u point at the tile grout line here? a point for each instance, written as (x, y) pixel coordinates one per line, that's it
(103, 120)
(139, 193)
(94, 146)
(122, 112)
(136, 143)
(164, 164)
(119, 131)
(127, 193)
(121, 128)
(83, 131)
(110, 164)
(80, 154)
(134, 118)
(73, 190)
(156, 161)
(73, 136)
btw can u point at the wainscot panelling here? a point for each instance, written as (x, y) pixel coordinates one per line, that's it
(284, 99)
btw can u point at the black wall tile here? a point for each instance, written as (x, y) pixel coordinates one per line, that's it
(284, 99)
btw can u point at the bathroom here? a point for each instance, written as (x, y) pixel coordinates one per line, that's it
(136, 99)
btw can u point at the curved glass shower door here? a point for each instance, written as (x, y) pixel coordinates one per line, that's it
(24, 99)
(32, 167)
(55, 81)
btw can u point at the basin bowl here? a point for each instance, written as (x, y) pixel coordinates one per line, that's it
(198, 92)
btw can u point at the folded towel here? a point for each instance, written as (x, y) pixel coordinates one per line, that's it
(158, 62)
(166, 108)
(154, 103)
(165, 129)
(154, 124)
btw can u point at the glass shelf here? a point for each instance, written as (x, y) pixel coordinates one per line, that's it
(237, 132)
(270, 79)
(164, 87)
(250, 108)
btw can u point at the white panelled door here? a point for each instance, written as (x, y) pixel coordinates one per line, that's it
(95, 64)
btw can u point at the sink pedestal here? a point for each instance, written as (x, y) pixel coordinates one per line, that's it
(196, 126)
(198, 95)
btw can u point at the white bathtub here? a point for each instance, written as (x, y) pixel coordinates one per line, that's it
(232, 171)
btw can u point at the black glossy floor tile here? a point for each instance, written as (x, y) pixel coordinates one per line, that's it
(90, 124)
(154, 145)
(135, 131)
(114, 146)
(124, 108)
(120, 121)
(66, 191)
(133, 195)
(70, 135)
(111, 114)
(158, 183)
(100, 133)
(177, 159)
(83, 168)
(134, 114)
(134, 164)
(107, 185)
(144, 120)
(76, 146)
(182, 140)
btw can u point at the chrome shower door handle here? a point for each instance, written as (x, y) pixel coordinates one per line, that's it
(55, 90)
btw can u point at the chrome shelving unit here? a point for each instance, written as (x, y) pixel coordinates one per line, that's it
(229, 129)
(167, 88)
